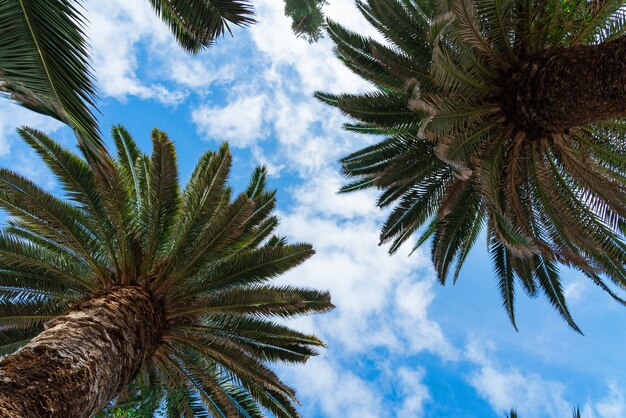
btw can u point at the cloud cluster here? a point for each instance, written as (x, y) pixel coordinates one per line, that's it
(240, 122)
(382, 306)
(121, 31)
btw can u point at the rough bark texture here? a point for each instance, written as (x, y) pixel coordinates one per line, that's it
(83, 358)
(560, 89)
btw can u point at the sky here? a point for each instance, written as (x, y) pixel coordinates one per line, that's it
(399, 344)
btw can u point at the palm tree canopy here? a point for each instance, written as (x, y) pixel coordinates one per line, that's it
(206, 256)
(454, 159)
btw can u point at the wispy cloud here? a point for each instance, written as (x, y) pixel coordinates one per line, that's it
(240, 122)
(119, 31)
(415, 393)
(507, 387)
(13, 116)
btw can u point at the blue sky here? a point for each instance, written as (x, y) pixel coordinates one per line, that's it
(400, 345)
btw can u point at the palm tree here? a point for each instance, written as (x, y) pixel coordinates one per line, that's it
(44, 60)
(134, 283)
(501, 114)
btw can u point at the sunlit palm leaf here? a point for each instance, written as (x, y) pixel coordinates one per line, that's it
(198, 23)
(44, 62)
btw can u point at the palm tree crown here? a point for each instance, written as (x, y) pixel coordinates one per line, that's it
(203, 257)
(462, 149)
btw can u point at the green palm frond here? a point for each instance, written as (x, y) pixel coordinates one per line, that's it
(454, 160)
(14, 338)
(259, 301)
(197, 24)
(44, 63)
(159, 212)
(307, 18)
(206, 256)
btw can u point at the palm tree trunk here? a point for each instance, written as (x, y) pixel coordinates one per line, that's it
(563, 88)
(83, 358)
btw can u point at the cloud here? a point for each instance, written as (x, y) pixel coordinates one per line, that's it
(240, 122)
(13, 116)
(530, 394)
(115, 29)
(333, 391)
(575, 290)
(270, 88)
(613, 405)
(505, 388)
(381, 319)
(121, 31)
(315, 64)
(378, 296)
(415, 393)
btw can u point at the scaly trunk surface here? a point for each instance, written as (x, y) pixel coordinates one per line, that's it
(83, 358)
(563, 88)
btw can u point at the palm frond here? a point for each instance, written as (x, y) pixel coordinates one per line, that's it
(44, 63)
(197, 24)
(285, 301)
(162, 197)
(307, 18)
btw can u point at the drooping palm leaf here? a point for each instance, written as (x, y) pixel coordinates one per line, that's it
(199, 23)
(44, 63)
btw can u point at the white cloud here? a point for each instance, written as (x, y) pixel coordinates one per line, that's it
(240, 122)
(315, 64)
(13, 116)
(294, 118)
(334, 391)
(613, 405)
(119, 30)
(532, 395)
(114, 30)
(415, 393)
(574, 290)
(286, 71)
(192, 72)
(319, 197)
(328, 386)
(382, 297)
(382, 301)
(505, 388)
